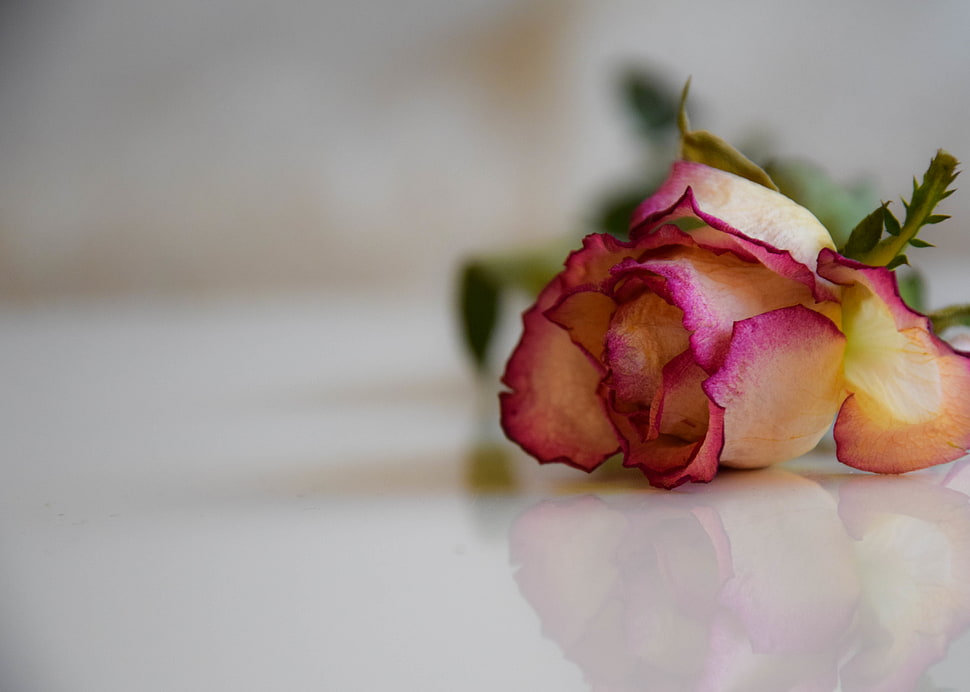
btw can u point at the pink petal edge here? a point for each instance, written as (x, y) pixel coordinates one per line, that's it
(869, 439)
(780, 386)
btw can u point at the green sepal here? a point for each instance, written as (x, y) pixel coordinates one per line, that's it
(866, 234)
(892, 223)
(897, 261)
(701, 146)
(919, 212)
(952, 316)
(936, 183)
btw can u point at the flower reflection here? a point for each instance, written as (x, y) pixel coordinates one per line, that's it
(765, 581)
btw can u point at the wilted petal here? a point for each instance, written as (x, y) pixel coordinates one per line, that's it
(586, 315)
(718, 238)
(909, 406)
(715, 291)
(753, 209)
(780, 386)
(590, 266)
(716, 235)
(553, 410)
(668, 461)
(680, 407)
(644, 336)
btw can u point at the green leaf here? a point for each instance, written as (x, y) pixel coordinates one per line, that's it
(897, 261)
(479, 307)
(528, 269)
(892, 223)
(865, 235)
(701, 146)
(651, 103)
(936, 181)
(614, 214)
(916, 242)
(484, 281)
(952, 316)
(934, 188)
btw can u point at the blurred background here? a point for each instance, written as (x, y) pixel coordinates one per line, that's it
(244, 147)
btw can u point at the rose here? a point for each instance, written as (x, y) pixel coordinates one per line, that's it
(729, 331)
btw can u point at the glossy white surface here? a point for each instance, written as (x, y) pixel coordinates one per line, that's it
(302, 495)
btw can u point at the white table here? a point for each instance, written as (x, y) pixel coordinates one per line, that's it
(308, 494)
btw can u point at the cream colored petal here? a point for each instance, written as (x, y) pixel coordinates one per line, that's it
(752, 209)
(780, 386)
(715, 291)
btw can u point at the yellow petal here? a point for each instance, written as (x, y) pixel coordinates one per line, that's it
(909, 403)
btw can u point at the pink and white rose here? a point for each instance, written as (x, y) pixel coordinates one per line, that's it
(728, 330)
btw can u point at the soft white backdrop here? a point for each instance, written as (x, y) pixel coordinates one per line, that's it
(249, 146)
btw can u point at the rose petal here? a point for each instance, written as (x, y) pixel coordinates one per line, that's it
(909, 406)
(760, 213)
(553, 411)
(714, 234)
(780, 386)
(644, 335)
(680, 407)
(590, 266)
(718, 237)
(669, 461)
(666, 436)
(715, 291)
(586, 315)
